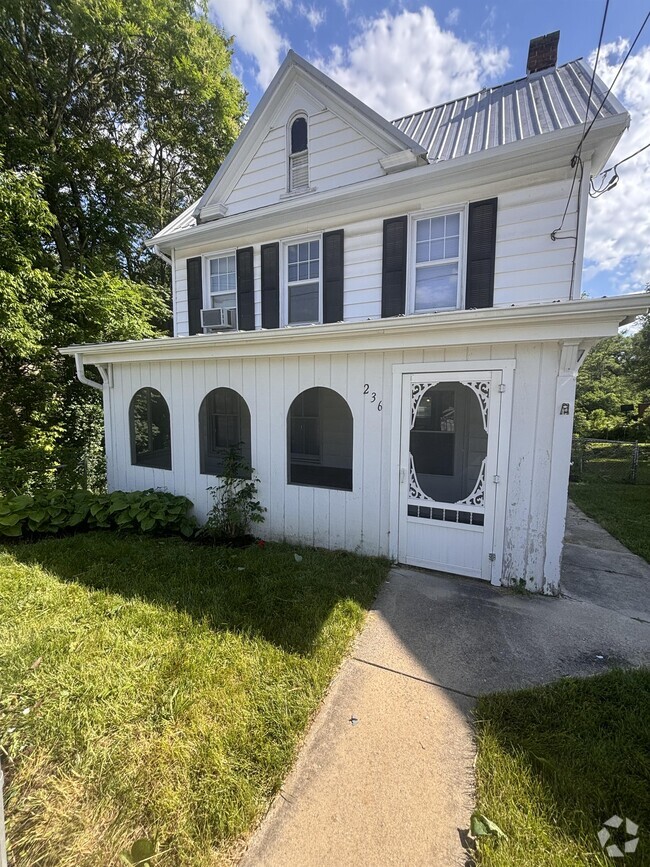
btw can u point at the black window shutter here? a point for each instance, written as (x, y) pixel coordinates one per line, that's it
(393, 273)
(245, 290)
(481, 248)
(270, 285)
(194, 294)
(333, 276)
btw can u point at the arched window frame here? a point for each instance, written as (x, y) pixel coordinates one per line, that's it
(160, 458)
(212, 457)
(297, 163)
(310, 441)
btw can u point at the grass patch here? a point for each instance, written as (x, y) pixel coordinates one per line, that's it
(155, 688)
(621, 509)
(555, 762)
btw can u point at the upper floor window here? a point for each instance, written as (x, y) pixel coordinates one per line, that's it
(303, 280)
(222, 291)
(150, 430)
(436, 261)
(298, 155)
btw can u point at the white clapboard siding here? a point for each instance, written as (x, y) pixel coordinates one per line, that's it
(264, 179)
(359, 520)
(529, 267)
(338, 156)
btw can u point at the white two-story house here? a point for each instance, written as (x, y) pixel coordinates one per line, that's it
(386, 315)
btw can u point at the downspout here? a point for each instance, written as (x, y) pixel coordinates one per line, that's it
(156, 249)
(83, 379)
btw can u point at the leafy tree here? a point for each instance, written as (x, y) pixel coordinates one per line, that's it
(125, 108)
(46, 415)
(614, 374)
(114, 115)
(638, 366)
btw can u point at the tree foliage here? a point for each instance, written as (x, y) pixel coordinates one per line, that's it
(615, 374)
(44, 410)
(125, 108)
(114, 115)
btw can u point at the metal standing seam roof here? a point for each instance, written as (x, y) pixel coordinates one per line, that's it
(533, 105)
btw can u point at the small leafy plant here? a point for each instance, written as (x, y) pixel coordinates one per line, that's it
(235, 507)
(50, 512)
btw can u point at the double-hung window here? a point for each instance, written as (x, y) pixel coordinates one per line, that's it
(222, 288)
(303, 280)
(437, 263)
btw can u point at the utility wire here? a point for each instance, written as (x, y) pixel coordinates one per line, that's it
(585, 131)
(576, 162)
(578, 165)
(620, 162)
(620, 69)
(607, 185)
(596, 192)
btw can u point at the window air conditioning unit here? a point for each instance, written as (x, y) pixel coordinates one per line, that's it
(219, 318)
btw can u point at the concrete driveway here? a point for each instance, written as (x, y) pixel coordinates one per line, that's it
(385, 776)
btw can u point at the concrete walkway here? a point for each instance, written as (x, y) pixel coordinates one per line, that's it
(385, 776)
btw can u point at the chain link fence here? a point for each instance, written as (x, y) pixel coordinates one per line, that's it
(610, 461)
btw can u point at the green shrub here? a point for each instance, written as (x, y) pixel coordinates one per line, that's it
(47, 512)
(42, 467)
(235, 507)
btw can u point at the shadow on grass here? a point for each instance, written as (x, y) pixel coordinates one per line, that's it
(555, 762)
(263, 592)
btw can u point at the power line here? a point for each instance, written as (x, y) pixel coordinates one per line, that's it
(593, 78)
(578, 165)
(607, 185)
(620, 162)
(609, 90)
(576, 162)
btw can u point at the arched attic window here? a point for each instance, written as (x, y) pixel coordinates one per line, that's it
(224, 424)
(150, 430)
(319, 434)
(298, 155)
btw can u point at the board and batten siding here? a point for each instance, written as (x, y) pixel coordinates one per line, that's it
(338, 156)
(529, 266)
(358, 520)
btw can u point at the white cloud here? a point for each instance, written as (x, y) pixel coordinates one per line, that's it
(250, 22)
(345, 5)
(312, 14)
(453, 17)
(618, 226)
(405, 62)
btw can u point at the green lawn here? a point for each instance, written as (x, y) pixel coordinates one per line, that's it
(623, 510)
(555, 762)
(155, 688)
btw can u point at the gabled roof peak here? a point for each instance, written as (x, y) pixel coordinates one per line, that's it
(358, 113)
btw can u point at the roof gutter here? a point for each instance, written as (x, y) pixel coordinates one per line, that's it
(548, 321)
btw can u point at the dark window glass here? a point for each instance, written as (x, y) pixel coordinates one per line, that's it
(224, 424)
(448, 442)
(319, 432)
(298, 135)
(150, 430)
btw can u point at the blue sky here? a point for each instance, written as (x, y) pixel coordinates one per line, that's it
(402, 56)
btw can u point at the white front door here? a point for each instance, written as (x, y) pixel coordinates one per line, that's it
(448, 470)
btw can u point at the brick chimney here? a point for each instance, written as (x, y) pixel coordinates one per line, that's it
(542, 52)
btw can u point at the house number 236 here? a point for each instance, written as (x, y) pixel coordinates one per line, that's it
(373, 396)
